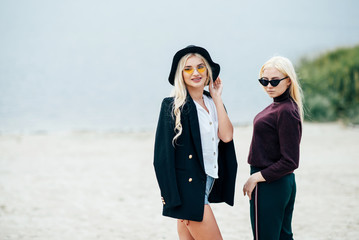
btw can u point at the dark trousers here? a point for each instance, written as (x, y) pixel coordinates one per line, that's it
(271, 208)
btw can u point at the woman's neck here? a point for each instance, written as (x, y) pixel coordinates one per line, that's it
(196, 94)
(282, 97)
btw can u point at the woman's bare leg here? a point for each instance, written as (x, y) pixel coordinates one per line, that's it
(182, 230)
(207, 229)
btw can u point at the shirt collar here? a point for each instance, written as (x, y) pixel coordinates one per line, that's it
(282, 97)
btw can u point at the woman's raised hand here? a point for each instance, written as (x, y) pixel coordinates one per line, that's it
(215, 88)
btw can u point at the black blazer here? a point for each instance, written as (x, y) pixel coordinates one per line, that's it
(180, 170)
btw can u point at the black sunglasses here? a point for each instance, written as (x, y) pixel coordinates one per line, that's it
(274, 82)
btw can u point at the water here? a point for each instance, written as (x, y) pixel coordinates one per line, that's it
(103, 66)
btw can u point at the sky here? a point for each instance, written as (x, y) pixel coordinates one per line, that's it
(103, 65)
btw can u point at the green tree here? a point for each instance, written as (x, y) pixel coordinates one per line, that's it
(330, 85)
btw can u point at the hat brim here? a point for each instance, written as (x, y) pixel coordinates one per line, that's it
(193, 49)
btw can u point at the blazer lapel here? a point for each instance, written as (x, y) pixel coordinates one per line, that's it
(195, 132)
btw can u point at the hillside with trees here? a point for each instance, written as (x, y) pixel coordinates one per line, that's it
(330, 85)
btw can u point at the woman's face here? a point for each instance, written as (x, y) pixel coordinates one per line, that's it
(194, 72)
(272, 73)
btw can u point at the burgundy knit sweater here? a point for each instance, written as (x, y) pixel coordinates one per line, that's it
(277, 132)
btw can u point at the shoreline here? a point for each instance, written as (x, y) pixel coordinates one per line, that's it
(143, 130)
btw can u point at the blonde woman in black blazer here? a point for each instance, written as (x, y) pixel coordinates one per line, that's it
(180, 160)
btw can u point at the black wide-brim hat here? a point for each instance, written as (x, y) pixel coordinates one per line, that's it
(193, 49)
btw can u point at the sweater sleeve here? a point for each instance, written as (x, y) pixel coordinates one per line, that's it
(289, 129)
(164, 156)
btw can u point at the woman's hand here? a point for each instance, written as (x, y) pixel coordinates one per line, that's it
(252, 183)
(185, 221)
(225, 128)
(215, 88)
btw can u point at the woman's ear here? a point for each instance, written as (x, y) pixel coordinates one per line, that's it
(289, 82)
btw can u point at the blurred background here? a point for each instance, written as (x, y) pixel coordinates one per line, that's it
(103, 65)
(97, 71)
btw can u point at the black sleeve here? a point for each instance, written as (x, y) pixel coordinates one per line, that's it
(164, 156)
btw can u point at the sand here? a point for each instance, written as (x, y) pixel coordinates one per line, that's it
(86, 185)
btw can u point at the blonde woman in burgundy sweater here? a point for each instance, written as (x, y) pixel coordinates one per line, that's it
(274, 153)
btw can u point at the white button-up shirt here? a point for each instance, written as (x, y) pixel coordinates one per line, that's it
(208, 126)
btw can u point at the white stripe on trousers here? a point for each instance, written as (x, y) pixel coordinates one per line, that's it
(256, 212)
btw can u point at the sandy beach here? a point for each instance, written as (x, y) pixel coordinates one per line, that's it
(86, 185)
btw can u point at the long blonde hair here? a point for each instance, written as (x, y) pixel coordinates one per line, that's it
(285, 66)
(179, 91)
